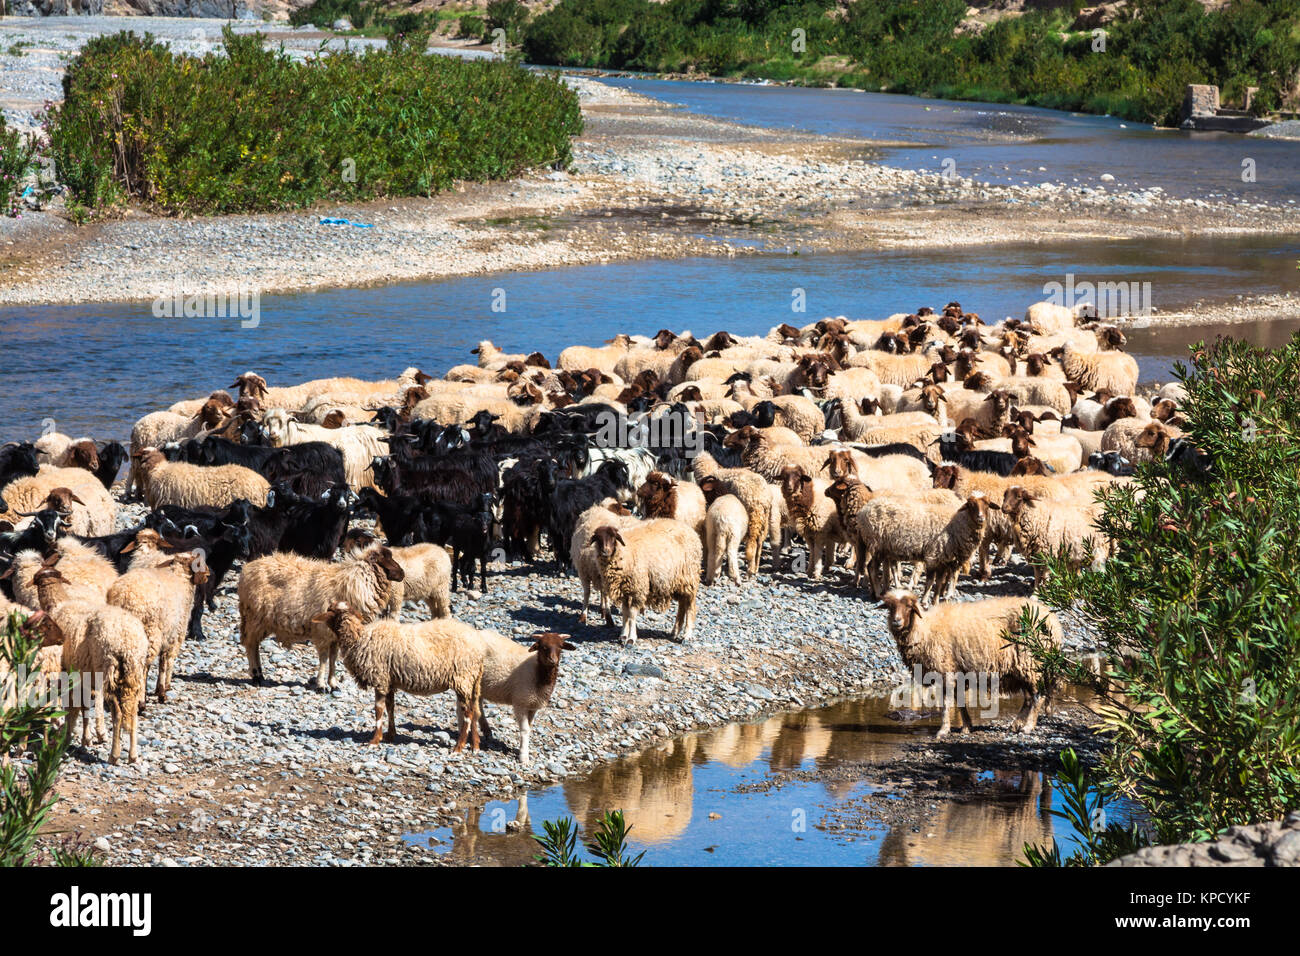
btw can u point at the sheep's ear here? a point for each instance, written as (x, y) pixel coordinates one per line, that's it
(322, 618)
(129, 546)
(619, 538)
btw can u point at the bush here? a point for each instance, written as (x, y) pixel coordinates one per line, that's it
(254, 129)
(1197, 610)
(17, 159)
(29, 724)
(507, 15)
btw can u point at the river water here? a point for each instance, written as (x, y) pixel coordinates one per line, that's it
(804, 788)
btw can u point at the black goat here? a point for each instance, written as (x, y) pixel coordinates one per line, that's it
(996, 462)
(17, 460)
(471, 539)
(526, 490)
(112, 456)
(316, 525)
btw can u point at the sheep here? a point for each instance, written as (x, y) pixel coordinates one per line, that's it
(656, 563)
(579, 358)
(814, 516)
(426, 570)
(520, 677)
(725, 527)
(966, 640)
(1138, 440)
(583, 558)
(1046, 528)
(1094, 415)
(1115, 372)
(88, 574)
(56, 448)
(359, 444)
(1048, 318)
(663, 496)
(896, 528)
(195, 486)
(917, 427)
(753, 492)
(279, 594)
(102, 640)
(92, 511)
(423, 658)
(158, 428)
(952, 547)
(161, 596)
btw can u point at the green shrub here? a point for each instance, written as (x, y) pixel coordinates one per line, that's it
(559, 843)
(470, 28)
(507, 15)
(28, 723)
(17, 159)
(254, 129)
(1198, 609)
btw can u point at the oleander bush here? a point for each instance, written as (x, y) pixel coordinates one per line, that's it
(246, 128)
(17, 158)
(1198, 611)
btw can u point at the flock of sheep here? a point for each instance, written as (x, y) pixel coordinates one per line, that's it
(918, 449)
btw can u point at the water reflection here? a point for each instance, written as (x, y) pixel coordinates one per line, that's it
(727, 797)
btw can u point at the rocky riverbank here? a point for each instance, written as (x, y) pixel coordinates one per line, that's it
(648, 181)
(234, 774)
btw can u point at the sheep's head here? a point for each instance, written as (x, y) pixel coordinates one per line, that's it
(357, 541)
(334, 419)
(892, 343)
(689, 356)
(1029, 465)
(484, 349)
(547, 646)
(1022, 418)
(870, 406)
(83, 454)
(1110, 338)
(813, 372)
(536, 360)
(970, 339)
(839, 489)
(970, 431)
(1164, 410)
(719, 341)
(1015, 499)
(932, 396)
(902, 610)
(606, 540)
(711, 487)
(655, 494)
(948, 323)
(1156, 437)
(831, 325)
(62, 500)
(945, 476)
(743, 439)
(1036, 363)
(788, 332)
(690, 393)
(796, 486)
(149, 459)
(382, 560)
(664, 338)
(840, 464)
(276, 425)
(1117, 408)
(1001, 400)
(337, 617)
(977, 506)
(250, 385)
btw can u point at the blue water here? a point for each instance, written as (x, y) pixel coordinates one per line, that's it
(1008, 144)
(96, 368)
(724, 798)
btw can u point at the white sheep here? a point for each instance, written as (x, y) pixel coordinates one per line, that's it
(91, 509)
(422, 658)
(725, 525)
(281, 593)
(520, 677)
(583, 557)
(359, 444)
(656, 563)
(426, 570)
(966, 641)
(198, 486)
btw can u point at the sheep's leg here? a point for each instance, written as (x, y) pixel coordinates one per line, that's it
(322, 669)
(733, 561)
(253, 648)
(1027, 719)
(475, 705)
(140, 706)
(966, 725)
(524, 718)
(586, 600)
(378, 735)
(945, 718)
(100, 704)
(391, 736)
(165, 663)
(482, 569)
(606, 608)
(629, 623)
(118, 708)
(712, 559)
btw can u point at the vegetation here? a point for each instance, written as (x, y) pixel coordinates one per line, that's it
(559, 843)
(17, 158)
(252, 129)
(374, 18)
(1100, 840)
(27, 722)
(1150, 52)
(1198, 613)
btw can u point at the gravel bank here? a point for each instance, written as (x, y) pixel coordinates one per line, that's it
(233, 774)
